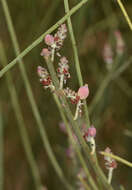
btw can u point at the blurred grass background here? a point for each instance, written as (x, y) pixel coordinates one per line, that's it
(93, 24)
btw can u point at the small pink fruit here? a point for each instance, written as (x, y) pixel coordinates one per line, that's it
(49, 39)
(83, 92)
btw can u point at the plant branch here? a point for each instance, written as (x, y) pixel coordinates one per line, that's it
(39, 40)
(92, 159)
(20, 121)
(34, 107)
(76, 58)
(77, 149)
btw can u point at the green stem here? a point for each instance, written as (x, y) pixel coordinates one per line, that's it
(75, 52)
(92, 159)
(49, 14)
(20, 121)
(73, 41)
(78, 152)
(35, 110)
(1, 151)
(39, 40)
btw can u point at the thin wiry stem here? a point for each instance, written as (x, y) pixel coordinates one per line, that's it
(92, 158)
(39, 40)
(110, 174)
(20, 121)
(77, 149)
(1, 150)
(76, 58)
(35, 110)
(73, 41)
(125, 13)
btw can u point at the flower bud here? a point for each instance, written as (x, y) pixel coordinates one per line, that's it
(83, 92)
(92, 131)
(45, 52)
(49, 39)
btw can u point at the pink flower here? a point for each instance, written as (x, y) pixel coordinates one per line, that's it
(91, 132)
(110, 162)
(45, 52)
(49, 39)
(83, 92)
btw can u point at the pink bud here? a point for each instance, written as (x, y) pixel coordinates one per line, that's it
(40, 70)
(91, 131)
(83, 92)
(45, 52)
(49, 39)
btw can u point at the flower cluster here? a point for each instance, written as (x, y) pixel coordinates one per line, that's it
(89, 136)
(63, 71)
(45, 78)
(55, 42)
(110, 162)
(74, 98)
(77, 97)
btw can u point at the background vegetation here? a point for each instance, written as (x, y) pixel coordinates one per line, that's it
(93, 25)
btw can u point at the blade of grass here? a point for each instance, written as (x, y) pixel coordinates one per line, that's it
(35, 110)
(1, 150)
(20, 121)
(39, 40)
